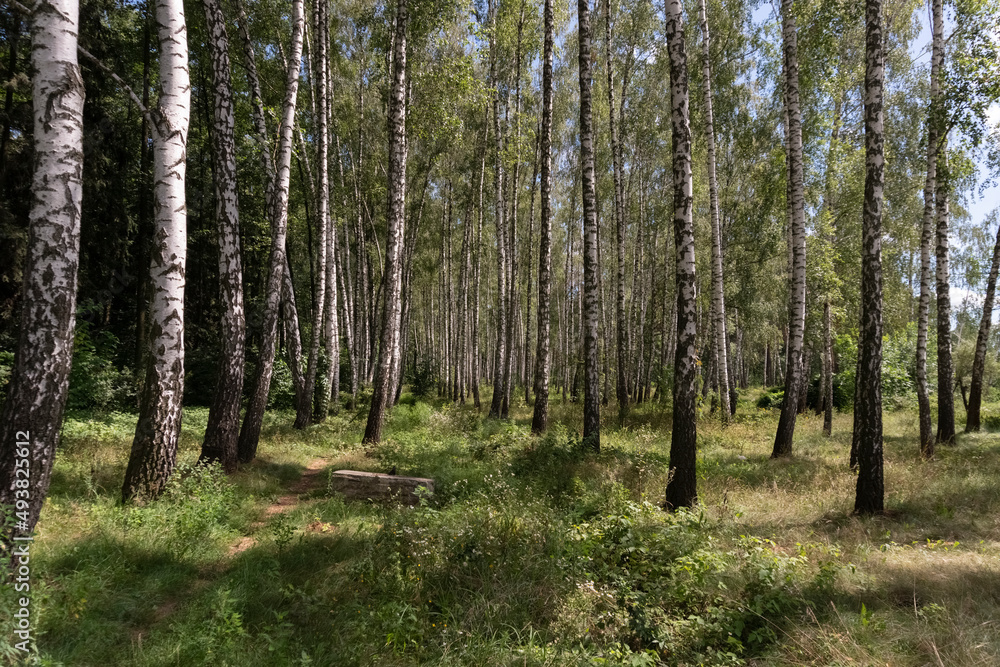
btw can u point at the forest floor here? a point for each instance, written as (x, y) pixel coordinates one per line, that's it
(532, 551)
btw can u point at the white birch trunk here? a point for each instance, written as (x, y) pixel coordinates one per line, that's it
(682, 488)
(32, 413)
(718, 296)
(222, 432)
(253, 419)
(154, 448)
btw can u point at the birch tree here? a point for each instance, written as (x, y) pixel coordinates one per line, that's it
(389, 336)
(870, 489)
(39, 383)
(540, 414)
(591, 375)
(621, 333)
(500, 356)
(718, 297)
(304, 415)
(154, 448)
(222, 432)
(973, 413)
(682, 487)
(934, 118)
(797, 238)
(945, 367)
(254, 416)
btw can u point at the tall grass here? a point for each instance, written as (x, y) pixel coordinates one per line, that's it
(531, 551)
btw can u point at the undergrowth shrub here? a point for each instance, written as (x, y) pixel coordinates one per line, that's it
(95, 381)
(660, 581)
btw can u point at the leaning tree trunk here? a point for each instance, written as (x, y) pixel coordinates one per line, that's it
(389, 337)
(682, 488)
(718, 296)
(591, 373)
(33, 411)
(154, 448)
(254, 416)
(974, 409)
(927, 232)
(870, 490)
(946, 371)
(223, 430)
(303, 415)
(797, 300)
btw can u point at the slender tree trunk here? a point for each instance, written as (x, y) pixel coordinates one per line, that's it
(868, 412)
(529, 385)
(540, 415)
(682, 487)
(591, 381)
(477, 264)
(254, 416)
(826, 381)
(946, 373)
(827, 370)
(303, 415)
(331, 329)
(979, 361)
(32, 414)
(621, 386)
(797, 300)
(389, 337)
(293, 338)
(718, 297)
(223, 430)
(500, 358)
(154, 448)
(927, 230)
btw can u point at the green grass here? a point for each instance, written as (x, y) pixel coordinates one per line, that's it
(532, 551)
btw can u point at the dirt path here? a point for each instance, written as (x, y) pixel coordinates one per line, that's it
(310, 479)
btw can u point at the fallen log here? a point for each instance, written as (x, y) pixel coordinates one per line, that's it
(357, 485)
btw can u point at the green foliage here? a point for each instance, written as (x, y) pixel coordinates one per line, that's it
(95, 383)
(422, 376)
(772, 398)
(282, 395)
(195, 510)
(6, 368)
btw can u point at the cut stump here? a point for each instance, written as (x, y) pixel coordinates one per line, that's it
(356, 485)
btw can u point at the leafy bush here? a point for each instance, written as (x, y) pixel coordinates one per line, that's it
(282, 395)
(422, 376)
(773, 398)
(95, 383)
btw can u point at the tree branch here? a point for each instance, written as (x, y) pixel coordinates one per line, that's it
(17, 6)
(121, 82)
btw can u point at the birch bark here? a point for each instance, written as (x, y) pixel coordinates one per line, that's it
(32, 413)
(154, 448)
(591, 373)
(254, 416)
(870, 489)
(797, 236)
(389, 337)
(682, 488)
(718, 296)
(223, 430)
